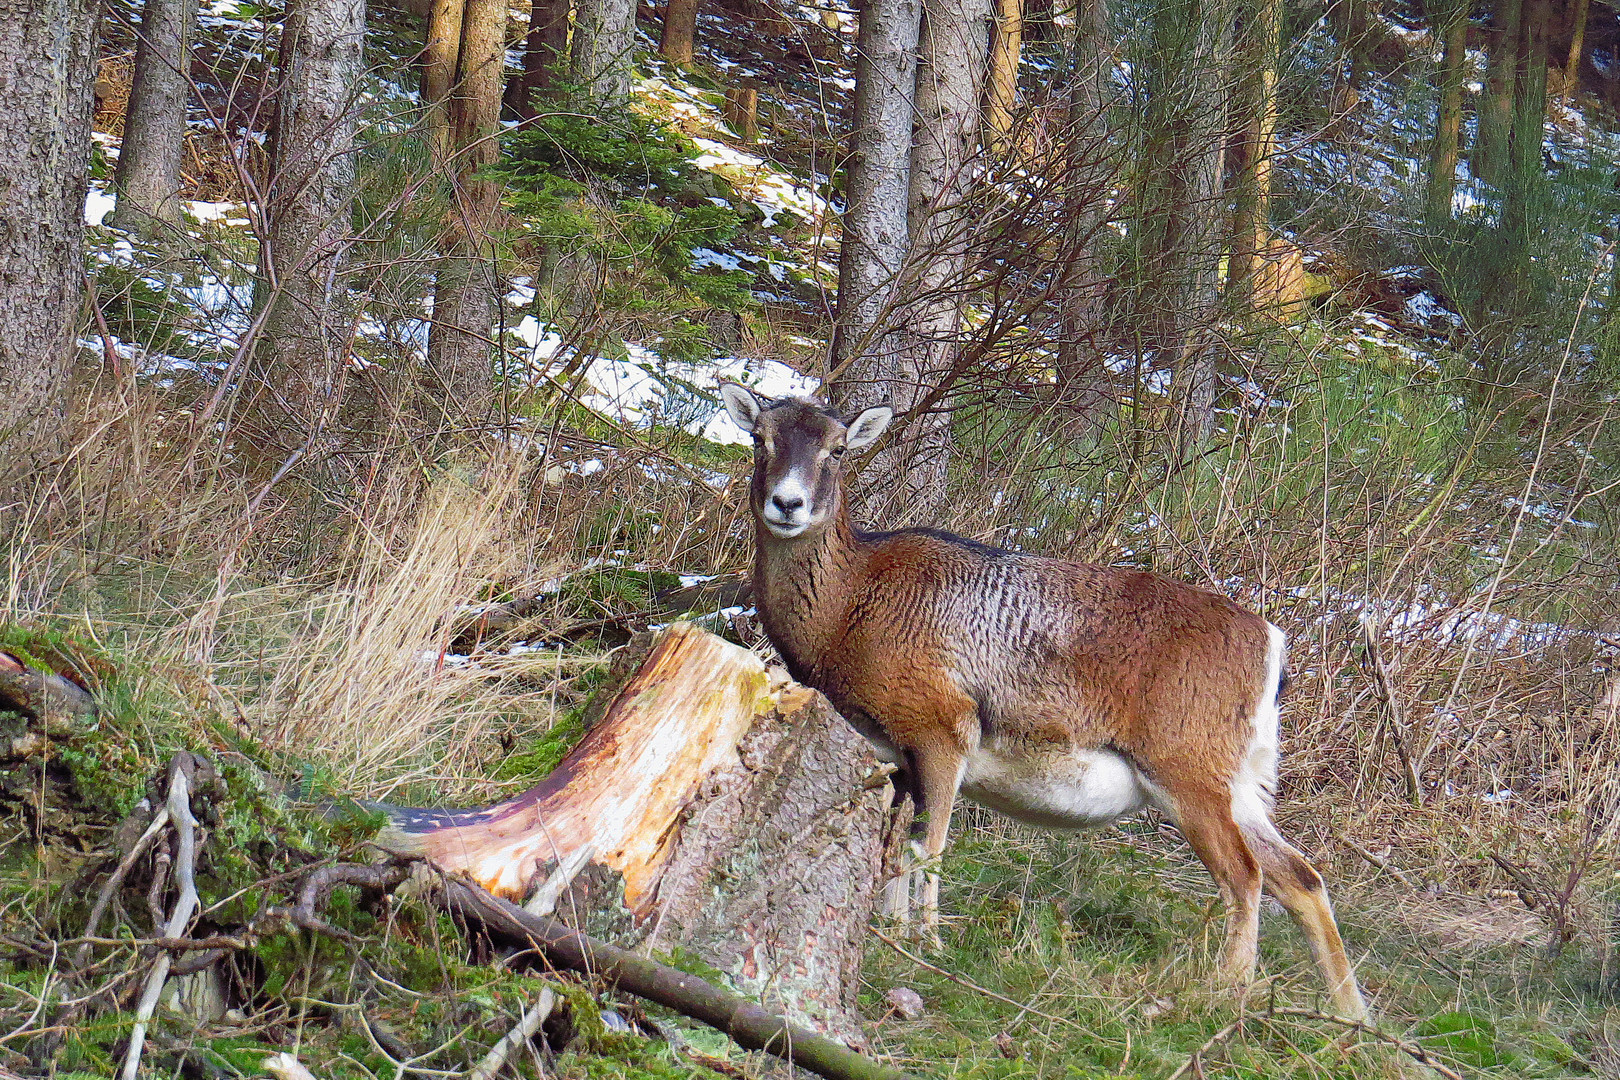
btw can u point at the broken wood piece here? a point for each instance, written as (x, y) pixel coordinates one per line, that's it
(746, 1023)
(58, 706)
(527, 1025)
(621, 791)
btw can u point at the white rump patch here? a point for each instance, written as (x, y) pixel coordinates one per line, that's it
(1256, 781)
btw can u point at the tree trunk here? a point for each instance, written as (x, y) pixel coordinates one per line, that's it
(459, 380)
(148, 177)
(1003, 80)
(604, 37)
(703, 809)
(1039, 24)
(440, 62)
(308, 211)
(47, 79)
(1084, 384)
(869, 361)
(1452, 28)
(950, 92)
(742, 111)
(1181, 217)
(1495, 109)
(545, 54)
(1529, 120)
(1577, 51)
(1256, 107)
(680, 31)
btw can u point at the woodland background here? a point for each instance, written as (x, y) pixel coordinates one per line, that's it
(327, 330)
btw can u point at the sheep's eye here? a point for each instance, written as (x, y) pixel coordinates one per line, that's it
(838, 451)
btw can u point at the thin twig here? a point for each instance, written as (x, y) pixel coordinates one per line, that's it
(1381, 864)
(185, 905)
(1195, 1062)
(527, 1025)
(104, 897)
(969, 983)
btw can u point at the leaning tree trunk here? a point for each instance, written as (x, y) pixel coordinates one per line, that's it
(679, 39)
(604, 37)
(1085, 389)
(1451, 23)
(47, 75)
(458, 383)
(545, 54)
(869, 361)
(303, 264)
(704, 808)
(148, 177)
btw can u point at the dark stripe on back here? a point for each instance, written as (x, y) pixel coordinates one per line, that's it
(939, 534)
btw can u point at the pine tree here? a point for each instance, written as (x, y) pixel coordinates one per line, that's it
(304, 260)
(47, 76)
(148, 176)
(459, 379)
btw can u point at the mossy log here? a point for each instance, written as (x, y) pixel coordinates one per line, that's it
(52, 708)
(710, 807)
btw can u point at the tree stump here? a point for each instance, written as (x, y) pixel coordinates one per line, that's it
(742, 111)
(710, 809)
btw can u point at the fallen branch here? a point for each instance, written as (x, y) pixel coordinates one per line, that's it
(749, 1025)
(1384, 684)
(1217, 1039)
(1382, 864)
(970, 984)
(181, 770)
(1412, 1050)
(60, 706)
(110, 886)
(530, 1023)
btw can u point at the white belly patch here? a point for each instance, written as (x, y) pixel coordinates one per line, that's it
(1081, 789)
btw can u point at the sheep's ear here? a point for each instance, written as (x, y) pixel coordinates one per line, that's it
(865, 428)
(742, 404)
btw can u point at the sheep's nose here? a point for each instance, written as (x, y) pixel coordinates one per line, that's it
(788, 504)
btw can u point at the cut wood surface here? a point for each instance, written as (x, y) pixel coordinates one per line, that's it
(621, 791)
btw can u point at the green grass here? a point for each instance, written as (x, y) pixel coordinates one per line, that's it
(1112, 937)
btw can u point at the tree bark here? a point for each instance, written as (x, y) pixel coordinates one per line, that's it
(440, 62)
(1181, 216)
(1577, 51)
(949, 99)
(1003, 79)
(148, 176)
(679, 38)
(1085, 389)
(308, 210)
(869, 360)
(746, 1023)
(1451, 24)
(47, 79)
(604, 37)
(1256, 107)
(545, 55)
(1529, 118)
(702, 808)
(1491, 149)
(459, 381)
